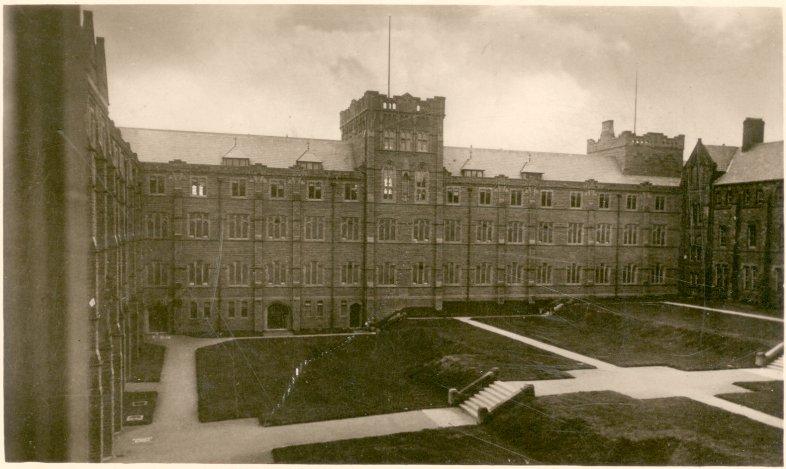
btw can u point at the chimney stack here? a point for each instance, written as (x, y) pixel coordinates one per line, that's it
(752, 132)
(607, 130)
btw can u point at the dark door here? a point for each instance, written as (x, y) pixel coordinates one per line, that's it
(277, 316)
(157, 317)
(355, 318)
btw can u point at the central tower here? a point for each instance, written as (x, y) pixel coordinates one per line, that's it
(397, 143)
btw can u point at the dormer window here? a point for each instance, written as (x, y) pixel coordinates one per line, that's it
(235, 161)
(472, 173)
(312, 165)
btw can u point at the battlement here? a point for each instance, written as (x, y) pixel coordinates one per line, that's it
(628, 138)
(406, 103)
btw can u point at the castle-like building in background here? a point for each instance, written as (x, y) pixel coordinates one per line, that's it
(118, 232)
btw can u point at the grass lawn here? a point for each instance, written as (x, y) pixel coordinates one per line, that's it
(339, 377)
(626, 340)
(147, 367)
(139, 403)
(767, 396)
(582, 428)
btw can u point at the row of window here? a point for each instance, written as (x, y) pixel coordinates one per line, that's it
(276, 227)
(241, 308)
(198, 188)
(748, 278)
(405, 141)
(315, 191)
(314, 272)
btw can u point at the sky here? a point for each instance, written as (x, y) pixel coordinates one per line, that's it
(515, 77)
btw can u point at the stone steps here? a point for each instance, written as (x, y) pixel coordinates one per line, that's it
(490, 397)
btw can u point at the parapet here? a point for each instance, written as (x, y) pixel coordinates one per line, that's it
(628, 138)
(375, 101)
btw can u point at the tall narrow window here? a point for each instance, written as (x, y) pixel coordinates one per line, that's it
(752, 235)
(452, 195)
(421, 230)
(420, 273)
(389, 140)
(450, 273)
(484, 231)
(350, 228)
(514, 273)
(630, 235)
(350, 191)
(314, 190)
(575, 200)
(484, 274)
(516, 197)
(314, 228)
(156, 185)
(515, 232)
(452, 231)
(658, 274)
(545, 198)
(386, 274)
(575, 233)
(723, 235)
(277, 227)
(405, 141)
(543, 274)
(660, 203)
(629, 272)
(237, 225)
(603, 233)
(659, 235)
(350, 273)
(199, 186)
(421, 186)
(312, 273)
(388, 178)
(198, 225)
(573, 275)
(545, 232)
(422, 142)
(631, 202)
(238, 188)
(602, 274)
(276, 189)
(603, 200)
(386, 229)
(484, 196)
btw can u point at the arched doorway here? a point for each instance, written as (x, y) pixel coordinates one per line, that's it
(355, 316)
(278, 316)
(157, 317)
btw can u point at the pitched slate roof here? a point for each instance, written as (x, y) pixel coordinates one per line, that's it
(162, 146)
(763, 162)
(554, 166)
(721, 155)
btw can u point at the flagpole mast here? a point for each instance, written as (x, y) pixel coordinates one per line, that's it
(388, 56)
(636, 102)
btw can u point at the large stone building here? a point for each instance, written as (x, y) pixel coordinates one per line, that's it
(732, 222)
(250, 232)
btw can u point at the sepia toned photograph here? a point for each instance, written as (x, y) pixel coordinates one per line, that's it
(393, 234)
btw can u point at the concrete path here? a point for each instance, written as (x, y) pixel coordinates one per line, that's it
(726, 311)
(176, 435)
(647, 382)
(541, 345)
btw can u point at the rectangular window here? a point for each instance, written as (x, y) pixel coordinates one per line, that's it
(631, 202)
(386, 229)
(723, 235)
(515, 232)
(658, 235)
(344, 309)
(602, 274)
(231, 308)
(314, 191)
(484, 231)
(276, 273)
(629, 272)
(386, 274)
(277, 227)
(545, 198)
(198, 273)
(244, 309)
(198, 225)
(543, 274)
(314, 229)
(350, 273)
(749, 277)
(307, 310)
(421, 230)
(484, 196)
(545, 232)
(157, 225)
(194, 310)
(720, 278)
(452, 195)
(603, 200)
(156, 185)
(420, 273)
(450, 273)
(199, 186)
(388, 176)
(238, 273)
(422, 142)
(660, 203)
(206, 309)
(389, 140)
(752, 235)
(350, 228)
(696, 247)
(312, 273)
(405, 141)
(573, 275)
(484, 274)
(350, 191)
(575, 200)
(696, 214)
(238, 188)
(603, 233)
(575, 233)
(452, 231)
(514, 273)
(516, 197)
(157, 274)
(630, 235)
(320, 312)
(421, 186)
(276, 189)
(658, 274)
(238, 226)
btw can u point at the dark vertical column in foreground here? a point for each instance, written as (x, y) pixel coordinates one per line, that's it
(47, 237)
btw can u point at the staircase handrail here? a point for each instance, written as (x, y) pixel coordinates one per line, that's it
(765, 358)
(455, 397)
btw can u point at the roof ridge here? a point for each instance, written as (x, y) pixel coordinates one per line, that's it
(230, 134)
(519, 151)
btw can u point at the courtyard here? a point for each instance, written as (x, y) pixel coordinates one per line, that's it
(641, 384)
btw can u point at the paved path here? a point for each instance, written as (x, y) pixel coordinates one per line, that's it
(176, 435)
(647, 382)
(726, 311)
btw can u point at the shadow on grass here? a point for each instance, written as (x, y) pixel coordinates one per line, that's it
(767, 396)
